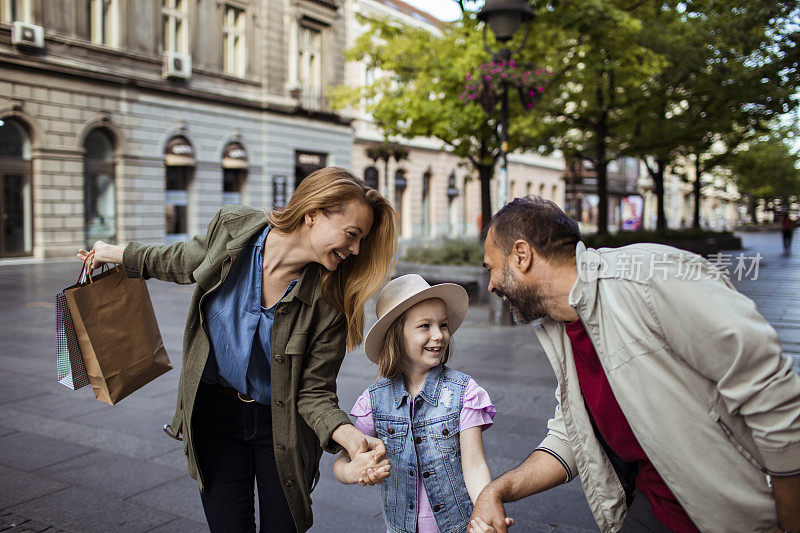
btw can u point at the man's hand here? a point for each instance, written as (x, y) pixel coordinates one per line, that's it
(488, 514)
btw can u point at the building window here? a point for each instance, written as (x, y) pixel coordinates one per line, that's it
(400, 184)
(179, 160)
(309, 52)
(233, 37)
(16, 10)
(529, 189)
(104, 22)
(100, 198)
(234, 173)
(371, 177)
(554, 196)
(175, 27)
(541, 190)
(16, 224)
(427, 227)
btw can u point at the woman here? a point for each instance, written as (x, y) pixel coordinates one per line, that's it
(279, 296)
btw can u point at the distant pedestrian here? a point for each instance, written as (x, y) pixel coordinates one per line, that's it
(279, 297)
(787, 227)
(429, 415)
(674, 404)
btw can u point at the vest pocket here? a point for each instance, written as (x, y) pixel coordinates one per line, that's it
(392, 433)
(445, 435)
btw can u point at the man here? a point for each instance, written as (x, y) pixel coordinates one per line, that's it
(674, 404)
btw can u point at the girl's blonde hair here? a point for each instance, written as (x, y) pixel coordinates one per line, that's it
(392, 357)
(350, 286)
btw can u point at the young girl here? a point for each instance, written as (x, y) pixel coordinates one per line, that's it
(429, 416)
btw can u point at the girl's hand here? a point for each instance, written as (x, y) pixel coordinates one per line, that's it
(479, 526)
(374, 476)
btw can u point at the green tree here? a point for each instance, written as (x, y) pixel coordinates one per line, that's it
(766, 170)
(601, 67)
(422, 93)
(731, 69)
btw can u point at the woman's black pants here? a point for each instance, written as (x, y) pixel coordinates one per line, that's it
(233, 439)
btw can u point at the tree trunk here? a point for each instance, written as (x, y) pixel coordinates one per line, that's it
(485, 173)
(697, 192)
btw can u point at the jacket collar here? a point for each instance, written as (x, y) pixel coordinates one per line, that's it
(429, 392)
(589, 265)
(243, 228)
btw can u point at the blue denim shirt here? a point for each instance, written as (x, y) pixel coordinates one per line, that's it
(240, 328)
(422, 439)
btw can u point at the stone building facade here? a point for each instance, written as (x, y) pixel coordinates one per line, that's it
(136, 119)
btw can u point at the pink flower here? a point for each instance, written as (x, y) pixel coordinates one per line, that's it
(487, 78)
(541, 89)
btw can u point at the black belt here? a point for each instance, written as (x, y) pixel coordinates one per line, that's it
(227, 391)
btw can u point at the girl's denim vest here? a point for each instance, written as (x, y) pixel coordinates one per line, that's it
(423, 440)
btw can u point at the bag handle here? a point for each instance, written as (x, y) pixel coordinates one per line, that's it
(86, 270)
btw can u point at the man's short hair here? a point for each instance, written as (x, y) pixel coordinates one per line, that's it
(548, 229)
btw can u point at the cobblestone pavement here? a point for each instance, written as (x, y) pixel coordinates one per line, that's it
(71, 463)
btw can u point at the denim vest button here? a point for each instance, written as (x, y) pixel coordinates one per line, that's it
(426, 475)
(418, 440)
(437, 508)
(390, 431)
(410, 472)
(410, 505)
(445, 432)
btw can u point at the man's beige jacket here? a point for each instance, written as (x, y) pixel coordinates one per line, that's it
(698, 374)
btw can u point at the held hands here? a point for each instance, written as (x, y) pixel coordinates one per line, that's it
(369, 465)
(489, 515)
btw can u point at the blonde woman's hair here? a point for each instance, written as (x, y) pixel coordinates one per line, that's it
(350, 286)
(392, 357)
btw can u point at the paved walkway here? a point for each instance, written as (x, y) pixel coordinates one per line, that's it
(71, 463)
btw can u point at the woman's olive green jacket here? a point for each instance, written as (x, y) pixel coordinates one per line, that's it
(308, 345)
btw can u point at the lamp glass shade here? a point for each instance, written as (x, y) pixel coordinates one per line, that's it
(504, 24)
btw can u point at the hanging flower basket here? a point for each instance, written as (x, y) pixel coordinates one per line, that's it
(485, 86)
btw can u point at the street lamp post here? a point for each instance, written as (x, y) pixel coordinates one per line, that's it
(504, 18)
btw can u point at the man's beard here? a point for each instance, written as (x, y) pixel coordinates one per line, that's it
(525, 302)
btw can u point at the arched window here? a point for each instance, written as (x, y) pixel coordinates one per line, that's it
(400, 184)
(99, 190)
(541, 190)
(371, 177)
(427, 226)
(179, 160)
(234, 173)
(554, 196)
(16, 223)
(529, 188)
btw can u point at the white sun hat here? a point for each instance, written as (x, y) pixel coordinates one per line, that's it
(401, 294)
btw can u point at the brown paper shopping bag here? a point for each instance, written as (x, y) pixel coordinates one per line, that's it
(117, 333)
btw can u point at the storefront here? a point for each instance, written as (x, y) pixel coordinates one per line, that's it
(16, 212)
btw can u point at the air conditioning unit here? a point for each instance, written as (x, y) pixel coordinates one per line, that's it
(27, 35)
(177, 65)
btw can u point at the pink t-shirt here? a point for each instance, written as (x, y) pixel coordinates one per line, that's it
(477, 410)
